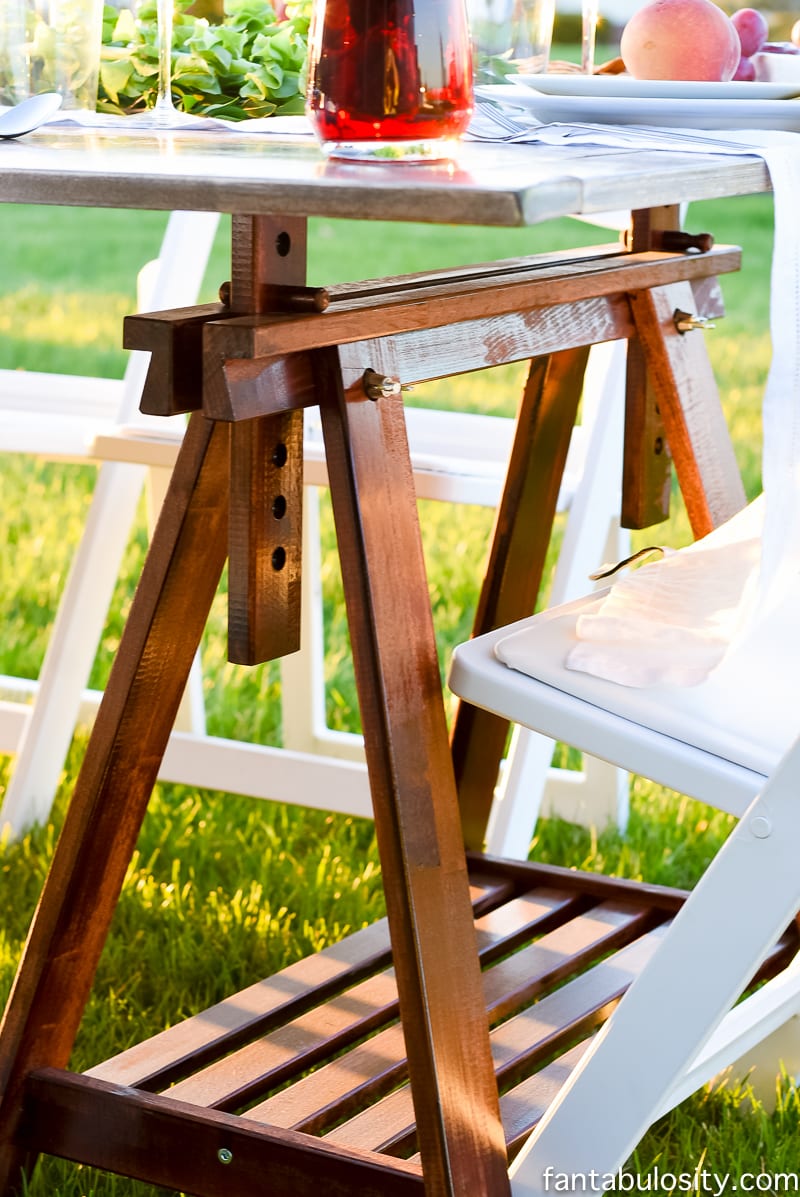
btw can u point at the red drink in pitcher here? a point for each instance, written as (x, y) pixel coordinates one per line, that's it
(389, 78)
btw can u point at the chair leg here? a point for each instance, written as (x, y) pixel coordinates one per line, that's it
(693, 980)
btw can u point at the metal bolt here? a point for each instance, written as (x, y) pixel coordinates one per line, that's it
(380, 386)
(225, 1155)
(686, 321)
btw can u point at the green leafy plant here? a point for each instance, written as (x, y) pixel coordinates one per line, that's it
(252, 64)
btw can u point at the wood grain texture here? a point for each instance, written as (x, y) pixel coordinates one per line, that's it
(690, 408)
(411, 777)
(348, 1017)
(226, 172)
(119, 770)
(266, 466)
(411, 303)
(174, 381)
(193, 1042)
(558, 949)
(646, 459)
(265, 538)
(169, 1143)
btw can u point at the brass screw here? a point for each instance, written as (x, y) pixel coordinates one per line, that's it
(686, 321)
(225, 1155)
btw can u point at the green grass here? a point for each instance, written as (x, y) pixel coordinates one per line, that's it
(224, 889)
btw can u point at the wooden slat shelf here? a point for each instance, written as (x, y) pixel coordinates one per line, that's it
(557, 948)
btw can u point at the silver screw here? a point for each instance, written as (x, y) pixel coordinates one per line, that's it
(225, 1155)
(380, 386)
(685, 321)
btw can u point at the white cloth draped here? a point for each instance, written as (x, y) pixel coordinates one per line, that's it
(675, 621)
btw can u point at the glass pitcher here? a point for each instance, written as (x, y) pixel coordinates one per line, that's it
(389, 78)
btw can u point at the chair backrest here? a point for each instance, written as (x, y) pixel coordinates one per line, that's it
(59, 416)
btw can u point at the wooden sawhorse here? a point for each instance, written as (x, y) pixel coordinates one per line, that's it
(251, 364)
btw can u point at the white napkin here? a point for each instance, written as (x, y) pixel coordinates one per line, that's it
(276, 126)
(674, 621)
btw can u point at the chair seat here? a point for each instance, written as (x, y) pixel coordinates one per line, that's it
(724, 736)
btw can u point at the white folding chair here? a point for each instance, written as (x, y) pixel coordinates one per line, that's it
(677, 1026)
(60, 417)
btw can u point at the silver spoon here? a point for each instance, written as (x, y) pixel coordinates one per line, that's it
(28, 114)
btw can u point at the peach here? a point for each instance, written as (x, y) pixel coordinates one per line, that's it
(680, 39)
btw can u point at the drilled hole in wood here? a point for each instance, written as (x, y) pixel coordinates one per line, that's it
(279, 507)
(659, 445)
(279, 558)
(283, 244)
(280, 454)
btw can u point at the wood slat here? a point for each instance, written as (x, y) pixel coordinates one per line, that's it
(372, 1067)
(525, 874)
(260, 1007)
(328, 1028)
(433, 303)
(521, 1043)
(523, 1040)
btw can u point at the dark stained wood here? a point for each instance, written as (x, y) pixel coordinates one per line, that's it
(266, 467)
(265, 538)
(239, 388)
(518, 1045)
(194, 1042)
(174, 381)
(520, 539)
(169, 1143)
(360, 1010)
(412, 303)
(690, 408)
(646, 462)
(320, 1100)
(411, 777)
(119, 771)
(573, 944)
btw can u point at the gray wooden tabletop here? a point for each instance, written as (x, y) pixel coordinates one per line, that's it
(501, 185)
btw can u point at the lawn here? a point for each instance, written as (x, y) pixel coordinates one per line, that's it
(224, 889)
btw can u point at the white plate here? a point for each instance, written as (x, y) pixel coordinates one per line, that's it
(680, 114)
(655, 89)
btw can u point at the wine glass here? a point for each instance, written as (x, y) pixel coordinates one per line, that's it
(164, 110)
(588, 33)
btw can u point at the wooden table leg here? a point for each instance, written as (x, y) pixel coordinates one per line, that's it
(522, 531)
(689, 405)
(416, 813)
(119, 771)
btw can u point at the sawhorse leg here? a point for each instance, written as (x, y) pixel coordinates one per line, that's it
(119, 771)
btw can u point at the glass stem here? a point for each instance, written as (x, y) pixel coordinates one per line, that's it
(588, 34)
(164, 14)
